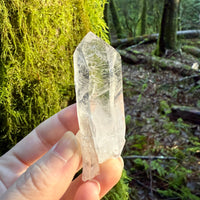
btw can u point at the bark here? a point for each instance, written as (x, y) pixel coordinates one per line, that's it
(115, 18)
(188, 114)
(122, 43)
(179, 16)
(106, 14)
(107, 17)
(168, 37)
(192, 50)
(143, 18)
(135, 57)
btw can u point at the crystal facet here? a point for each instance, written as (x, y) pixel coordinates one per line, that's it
(100, 106)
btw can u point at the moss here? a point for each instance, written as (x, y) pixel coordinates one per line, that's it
(192, 50)
(120, 191)
(37, 41)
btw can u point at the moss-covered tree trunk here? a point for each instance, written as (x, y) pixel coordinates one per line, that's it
(37, 41)
(143, 18)
(167, 38)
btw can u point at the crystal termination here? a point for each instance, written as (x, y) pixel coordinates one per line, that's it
(100, 105)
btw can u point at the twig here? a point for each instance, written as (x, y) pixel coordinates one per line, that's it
(149, 157)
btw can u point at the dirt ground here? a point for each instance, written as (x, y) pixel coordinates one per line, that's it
(149, 95)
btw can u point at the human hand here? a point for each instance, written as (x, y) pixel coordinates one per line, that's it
(43, 164)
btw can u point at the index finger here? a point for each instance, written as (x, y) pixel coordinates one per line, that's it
(42, 138)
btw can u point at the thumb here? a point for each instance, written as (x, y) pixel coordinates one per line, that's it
(50, 176)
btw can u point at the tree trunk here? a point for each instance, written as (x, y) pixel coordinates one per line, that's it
(107, 17)
(167, 38)
(115, 18)
(143, 18)
(179, 16)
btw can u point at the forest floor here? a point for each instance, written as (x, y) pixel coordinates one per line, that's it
(174, 170)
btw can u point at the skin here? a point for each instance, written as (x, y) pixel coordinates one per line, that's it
(43, 164)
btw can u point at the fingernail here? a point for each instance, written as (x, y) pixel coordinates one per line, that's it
(66, 147)
(96, 184)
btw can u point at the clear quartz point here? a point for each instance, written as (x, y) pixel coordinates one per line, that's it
(100, 105)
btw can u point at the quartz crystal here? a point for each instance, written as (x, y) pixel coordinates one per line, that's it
(100, 106)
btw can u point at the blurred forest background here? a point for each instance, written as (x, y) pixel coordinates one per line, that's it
(159, 42)
(130, 13)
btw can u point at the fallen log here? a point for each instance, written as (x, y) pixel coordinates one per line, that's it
(192, 50)
(133, 57)
(171, 65)
(122, 43)
(188, 114)
(136, 57)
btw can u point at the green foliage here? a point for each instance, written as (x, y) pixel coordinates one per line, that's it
(130, 12)
(173, 174)
(157, 165)
(144, 87)
(195, 148)
(121, 190)
(189, 12)
(176, 178)
(139, 142)
(184, 195)
(170, 128)
(175, 127)
(128, 119)
(164, 107)
(129, 16)
(141, 164)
